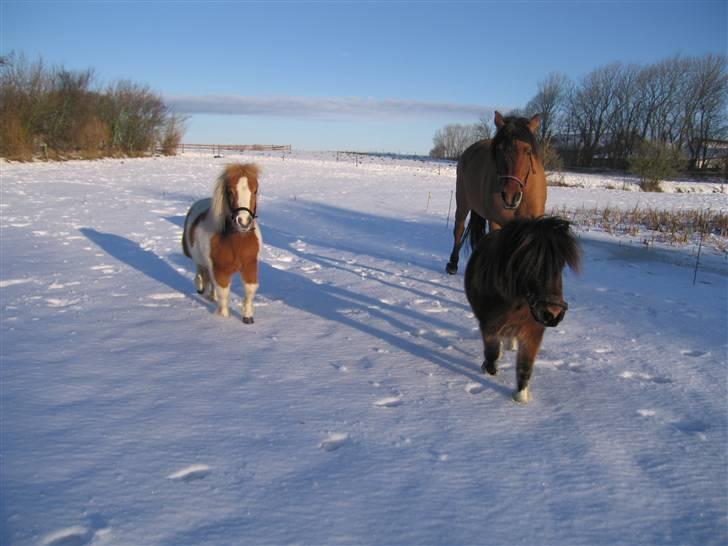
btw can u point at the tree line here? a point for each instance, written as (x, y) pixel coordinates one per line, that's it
(605, 118)
(55, 112)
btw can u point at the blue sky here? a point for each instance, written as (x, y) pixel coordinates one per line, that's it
(368, 76)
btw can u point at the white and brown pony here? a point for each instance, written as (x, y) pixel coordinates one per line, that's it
(222, 237)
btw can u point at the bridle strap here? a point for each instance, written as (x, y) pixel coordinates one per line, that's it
(521, 183)
(233, 212)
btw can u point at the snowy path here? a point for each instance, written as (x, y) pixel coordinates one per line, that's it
(353, 411)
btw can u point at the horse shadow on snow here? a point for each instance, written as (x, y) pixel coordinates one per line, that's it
(385, 239)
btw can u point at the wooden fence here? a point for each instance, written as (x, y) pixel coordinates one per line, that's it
(217, 149)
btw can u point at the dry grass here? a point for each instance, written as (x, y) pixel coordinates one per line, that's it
(676, 227)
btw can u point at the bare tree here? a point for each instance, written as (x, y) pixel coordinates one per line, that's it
(623, 129)
(452, 140)
(590, 108)
(704, 105)
(484, 128)
(549, 102)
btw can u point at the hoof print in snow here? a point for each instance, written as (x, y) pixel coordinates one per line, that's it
(694, 353)
(334, 441)
(191, 473)
(474, 388)
(71, 536)
(389, 402)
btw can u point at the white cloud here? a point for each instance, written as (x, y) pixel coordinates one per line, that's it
(322, 108)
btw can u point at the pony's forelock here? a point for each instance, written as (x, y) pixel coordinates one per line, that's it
(528, 252)
(219, 208)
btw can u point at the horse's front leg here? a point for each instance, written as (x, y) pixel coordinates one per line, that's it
(249, 276)
(527, 349)
(492, 346)
(457, 232)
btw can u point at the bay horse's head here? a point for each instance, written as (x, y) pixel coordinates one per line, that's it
(514, 148)
(234, 200)
(529, 259)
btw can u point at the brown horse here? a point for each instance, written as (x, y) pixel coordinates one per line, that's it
(513, 282)
(222, 237)
(498, 180)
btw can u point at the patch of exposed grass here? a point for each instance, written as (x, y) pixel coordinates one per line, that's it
(675, 227)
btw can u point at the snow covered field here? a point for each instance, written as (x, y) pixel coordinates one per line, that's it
(353, 411)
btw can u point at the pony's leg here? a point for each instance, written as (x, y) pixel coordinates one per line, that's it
(527, 350)
(457, 232)
(222, 294)
(492, 346)
(249, 276)
(201, 279)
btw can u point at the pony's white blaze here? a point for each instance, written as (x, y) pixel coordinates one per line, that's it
(243, 217)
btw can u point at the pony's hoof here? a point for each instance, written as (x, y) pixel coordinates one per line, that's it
(489, 368)
(248, 320)
(223, 313)
(199, 284)
(451, 268)
(522, 397)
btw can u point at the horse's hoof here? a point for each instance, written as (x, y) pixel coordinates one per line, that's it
(451, 268)
(522, 397)
(223, 313)
(489, 368)
(248, 320)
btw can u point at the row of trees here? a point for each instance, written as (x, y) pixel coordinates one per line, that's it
(57, 112)
(605, 117)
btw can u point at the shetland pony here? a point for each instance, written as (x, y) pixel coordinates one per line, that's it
(498, 180)
(513, 282)
(222, 237)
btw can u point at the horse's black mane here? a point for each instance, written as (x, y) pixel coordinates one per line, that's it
(515, 128)
(523, 254)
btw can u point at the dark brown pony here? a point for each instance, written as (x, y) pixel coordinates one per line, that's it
(513, 282)
(498, 180)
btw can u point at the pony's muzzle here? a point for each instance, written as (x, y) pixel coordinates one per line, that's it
(551, 319)
(243, 219)
(547, 312)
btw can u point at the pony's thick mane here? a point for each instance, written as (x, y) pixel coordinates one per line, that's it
(220, 209)
(515, 128)
(526, 253)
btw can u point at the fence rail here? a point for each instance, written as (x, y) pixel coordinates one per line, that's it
(218, 148)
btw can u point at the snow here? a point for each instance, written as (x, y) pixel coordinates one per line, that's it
(353, 411)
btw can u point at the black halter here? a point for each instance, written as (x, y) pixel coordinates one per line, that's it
(234, 211)
(246, 209)
(534, 302)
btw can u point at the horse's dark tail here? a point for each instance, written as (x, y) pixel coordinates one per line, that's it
(475, 230)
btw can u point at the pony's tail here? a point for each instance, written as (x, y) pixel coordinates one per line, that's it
(185, 248)
(475, 230)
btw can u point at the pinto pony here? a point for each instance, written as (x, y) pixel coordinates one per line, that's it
(513, 282)
(498, 180)
(222, 237)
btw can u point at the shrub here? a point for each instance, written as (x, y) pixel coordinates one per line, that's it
(57, 113)
(550, 157)
(15, 141)
(172, 133)
(654, 162)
